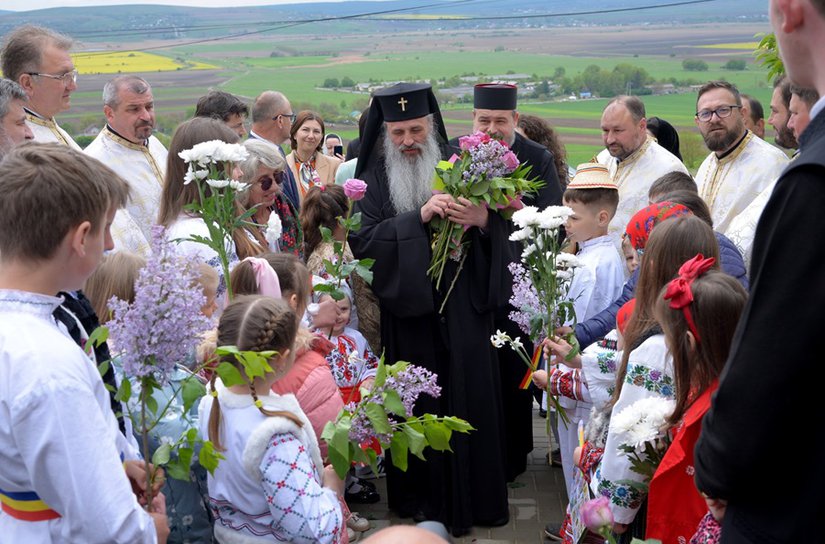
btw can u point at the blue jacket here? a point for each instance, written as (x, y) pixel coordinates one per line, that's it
(605, 321)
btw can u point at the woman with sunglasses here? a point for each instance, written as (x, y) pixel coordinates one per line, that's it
(309, 165)
(264, 171)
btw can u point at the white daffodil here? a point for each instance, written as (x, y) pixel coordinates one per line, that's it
(516, 344)
(499, 339)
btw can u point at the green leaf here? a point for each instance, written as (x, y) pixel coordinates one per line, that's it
(161, 455)
(399, 448)
(364, 272)
(229, 374)
(438, 436)
(124, 392)
(152, 405)
(340, 462)
(177, 469)
(208, 457)
(326, 234)
(417, 441)
(103, 367)
(323, 288)
(479, 188)
(380, 374)
(340, 439)
(378, 418)
(457, 424)
(98, 336)
(393, 404)
(191, 390)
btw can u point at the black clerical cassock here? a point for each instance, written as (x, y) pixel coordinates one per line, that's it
(468, 486)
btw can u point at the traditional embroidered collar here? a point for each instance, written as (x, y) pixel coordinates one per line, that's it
(638, 153)
(113, 135)
(598, 241)
(236, 400)
(36, 118)
(28, 302)
(730, 151)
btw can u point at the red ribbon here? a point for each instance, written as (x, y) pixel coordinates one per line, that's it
(678, 290)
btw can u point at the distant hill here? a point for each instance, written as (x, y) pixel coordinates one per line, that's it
(140, 22)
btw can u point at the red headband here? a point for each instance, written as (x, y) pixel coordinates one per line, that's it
(678, 290)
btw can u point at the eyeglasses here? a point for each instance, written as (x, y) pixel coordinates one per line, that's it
(65, 78)
(290, 116)
(266, 183)
(721, 112)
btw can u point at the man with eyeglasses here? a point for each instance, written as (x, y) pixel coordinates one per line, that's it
(272, 118)
(38, 60)
(740, 165)
(127, 146)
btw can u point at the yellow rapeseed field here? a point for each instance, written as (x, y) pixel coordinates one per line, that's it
(130, 62)
(741, 45)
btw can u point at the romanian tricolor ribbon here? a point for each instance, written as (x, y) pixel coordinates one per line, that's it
(26, 506)
(534, 365)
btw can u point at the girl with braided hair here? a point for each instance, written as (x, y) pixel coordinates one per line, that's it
(272, 485)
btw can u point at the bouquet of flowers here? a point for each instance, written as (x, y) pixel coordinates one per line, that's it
(487, 171)
(153, 334)
(385, 414)
(209, 163)
(339, 270)
(643, 427)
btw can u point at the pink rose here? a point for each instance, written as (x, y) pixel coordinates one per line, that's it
(596, 514)
(355, 189)
(483, 137)
(468, 142)
(510, 160)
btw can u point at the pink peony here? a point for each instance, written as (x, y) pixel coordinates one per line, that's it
(468, 142)
(355, 189)
(596, 514)
(510, 160)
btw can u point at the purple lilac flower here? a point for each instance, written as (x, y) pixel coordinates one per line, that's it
(489, 159)
(524, 298)
(409, 384)
(163, 324)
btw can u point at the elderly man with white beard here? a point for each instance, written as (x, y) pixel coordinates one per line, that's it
(403, 141)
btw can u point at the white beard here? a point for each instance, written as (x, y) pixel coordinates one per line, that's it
(411, 178)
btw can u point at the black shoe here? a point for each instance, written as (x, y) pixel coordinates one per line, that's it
(364, 495)
(366, 483)
(553, 531)
(554, 458)
(419, 516)
(542, 413)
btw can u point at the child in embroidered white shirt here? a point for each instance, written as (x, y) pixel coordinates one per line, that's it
(352, 362)
(272, 486)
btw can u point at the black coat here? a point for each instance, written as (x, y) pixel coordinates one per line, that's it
(761, 444)
(466, 487)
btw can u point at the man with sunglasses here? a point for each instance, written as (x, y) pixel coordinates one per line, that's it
(38, 60)
(272, 119)
(740, 165)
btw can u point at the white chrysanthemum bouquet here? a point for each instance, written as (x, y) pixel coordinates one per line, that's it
(642, 431)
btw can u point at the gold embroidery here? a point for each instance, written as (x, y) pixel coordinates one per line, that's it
(710, 189)
(137, 147)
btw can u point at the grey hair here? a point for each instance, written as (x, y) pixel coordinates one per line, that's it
(9, 90)
(261, 153)
(111, 90)
(633, 104)
(265, 106)
(23, 49)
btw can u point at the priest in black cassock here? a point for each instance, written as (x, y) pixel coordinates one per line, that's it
(494, 111)
(403, 141)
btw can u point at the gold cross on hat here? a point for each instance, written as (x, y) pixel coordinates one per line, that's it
(403, 104)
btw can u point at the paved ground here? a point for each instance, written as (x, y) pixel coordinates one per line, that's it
(537, 497)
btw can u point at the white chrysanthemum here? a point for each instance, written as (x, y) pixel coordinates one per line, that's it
(520, 235)
(528, 216)
(567, 260)
(218, 183)
(559, 212)
(238, 186)
(643, 421)
(550, 221)
(564, 275)
(528, 251)
(274, 229)
(193, 174)
(229, 153)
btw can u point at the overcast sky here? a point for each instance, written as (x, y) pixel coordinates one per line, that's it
(24, 5)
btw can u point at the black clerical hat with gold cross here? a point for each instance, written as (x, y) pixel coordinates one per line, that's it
(397, 103)
(404, 101)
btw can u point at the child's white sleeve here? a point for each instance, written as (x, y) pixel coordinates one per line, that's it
(302, 510)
